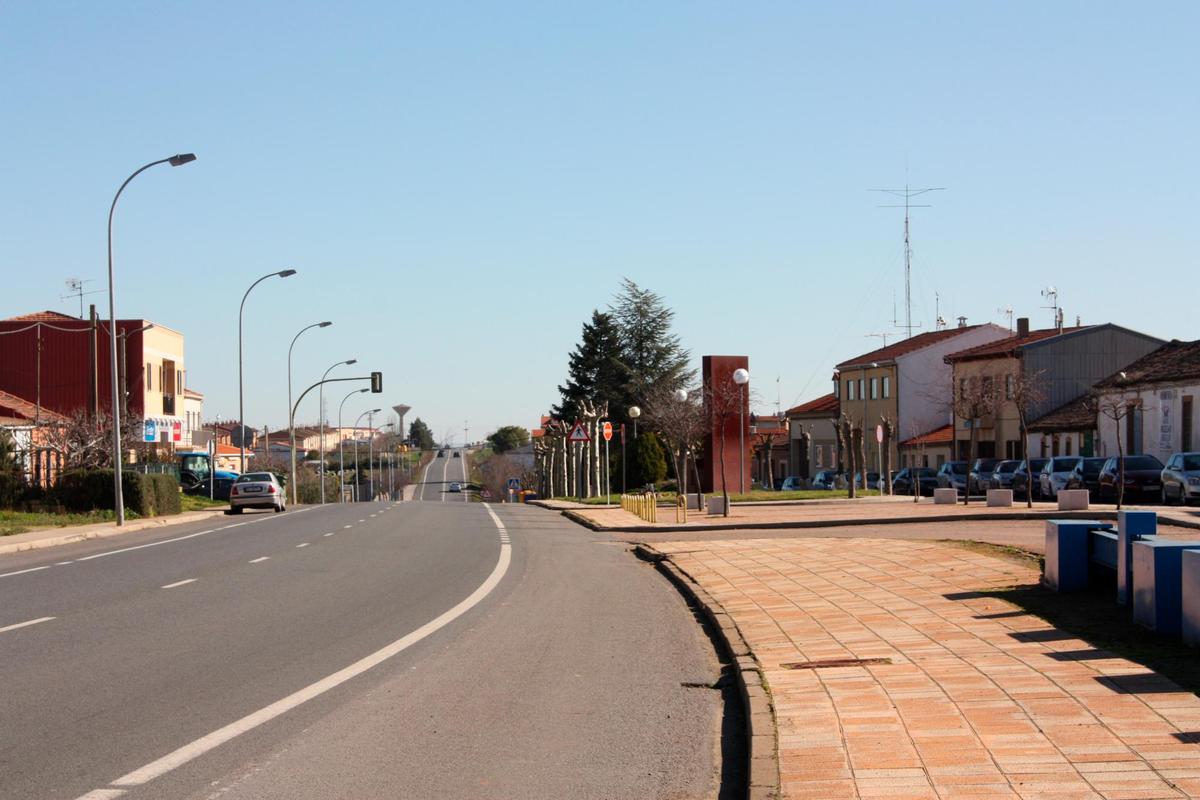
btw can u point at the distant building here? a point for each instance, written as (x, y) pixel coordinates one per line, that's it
(27, 425)
(812, 436)
(929, 449)
(1155, 399)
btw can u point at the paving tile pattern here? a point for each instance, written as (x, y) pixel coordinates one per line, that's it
(980, 701)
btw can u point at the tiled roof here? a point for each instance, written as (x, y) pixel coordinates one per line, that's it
(905, 346)
(942, 435)
(1174, 361)
(44, 316)
(20, 407)
(826, 404)
(1077, 415)
(1008, 346)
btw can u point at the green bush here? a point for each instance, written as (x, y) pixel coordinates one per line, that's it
(648, 463)
(92, 489)
(167, 498)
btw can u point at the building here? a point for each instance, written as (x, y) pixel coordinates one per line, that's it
(907, 382)
(1043, 369)
(62, 363)
(1068, 430)
(929, 449)
(769, 441)
(193, 419)
(727, 410)
(1150, 404)
(28, 426)
(812, 436)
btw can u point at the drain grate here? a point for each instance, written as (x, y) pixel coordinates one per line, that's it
(836, 662)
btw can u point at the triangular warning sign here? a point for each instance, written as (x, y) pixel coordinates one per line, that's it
(579, 434)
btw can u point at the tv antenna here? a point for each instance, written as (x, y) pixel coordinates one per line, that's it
(907, 194)
(1051, 296)
(882, 336)
(75, 288)
(939, 323)
(1008, 312)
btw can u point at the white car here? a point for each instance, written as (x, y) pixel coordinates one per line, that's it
(455, 487)
(1055, 474)
(257, 490)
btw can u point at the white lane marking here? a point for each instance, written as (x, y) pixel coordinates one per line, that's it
(344, 527)
(23, 571)
(178, 583)
(329, 534)
(151, 544)
(249, 722)
(302, 544)
(259, 559)
(62, 563)
(103, 794)
(361, 520)
(26, 624)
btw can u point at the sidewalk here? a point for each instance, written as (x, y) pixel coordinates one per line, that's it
(50, 537)
(979, 700)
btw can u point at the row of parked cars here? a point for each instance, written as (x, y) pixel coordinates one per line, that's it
(1145, 477)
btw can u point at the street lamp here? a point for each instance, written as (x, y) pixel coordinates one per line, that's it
(291, 421)
(342, 445)
(322, 406)
(284, 273)
(634, 412)
(741, 377)
(118, 499)
(356, 480)
(681, 396)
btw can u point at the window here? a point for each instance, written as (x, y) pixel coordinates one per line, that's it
(887, 386)
(1185, 423)
(988, 387)
(179, 382)
(862, 389)
(849, 390)
(962, 388)
(1067, 446)
(149, 375)
(874, 388)
(1009, 385)
(820, 455)
(837, 389)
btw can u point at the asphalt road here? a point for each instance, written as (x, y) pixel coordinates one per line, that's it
(441, 648)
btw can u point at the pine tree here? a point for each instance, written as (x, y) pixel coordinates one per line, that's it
(594, 369)
(420, 434)
(653, 356)
(648, 463)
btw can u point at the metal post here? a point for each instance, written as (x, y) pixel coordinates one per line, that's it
(241, 393)
(370, 458)
(291, 419)
(741, 442)
(607, 475)
(322, 415)
(342, 447)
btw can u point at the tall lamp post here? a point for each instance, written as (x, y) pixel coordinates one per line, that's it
(342, 445)
(292, 422)
(634, 412)
(322, 406)
(741, 377)
(118, 499)
(284, 273)
(370, 456)
(356, 480)
(681, 396)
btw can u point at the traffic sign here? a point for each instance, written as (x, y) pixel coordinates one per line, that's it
(579, 434)
(514, 484)
(608, 431)
(879, 433)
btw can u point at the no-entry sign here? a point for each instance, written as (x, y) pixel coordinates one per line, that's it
(608, 431)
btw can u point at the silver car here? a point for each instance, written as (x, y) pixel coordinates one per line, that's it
(1055, 474)
(1181, 478)
(1002, 476)
(257, 490)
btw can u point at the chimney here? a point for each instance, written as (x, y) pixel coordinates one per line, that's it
(1022, 326)
(962, 322)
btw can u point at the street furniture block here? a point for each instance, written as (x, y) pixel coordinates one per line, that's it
(1190, 597)
(1131, 526)
(999, 498)
(1157, 583)
(945, 497)
(1066, 567)
(1073, 500)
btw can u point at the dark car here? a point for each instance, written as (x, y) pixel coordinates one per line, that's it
(1002, 475)
(981, 474)
(1086, 475)
(1020, 478)
(220, 489)
(953, 475)
(926, 479)
(825, 479)
(1143, 478)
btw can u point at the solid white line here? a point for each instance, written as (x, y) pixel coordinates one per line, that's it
(103, 794)
(344, 527)
(178, 583)
(151, 544)
(251, 721)
(7, 628)
(303, 544)
(259, 559)
(23, 571)
(62, 563)
(328, 534)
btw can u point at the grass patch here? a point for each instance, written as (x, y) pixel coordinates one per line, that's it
(14, 522)
(1024, 558)
(191, 502)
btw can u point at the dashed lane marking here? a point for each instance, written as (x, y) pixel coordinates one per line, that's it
(259, 559)
(302, 544)
(178, 583)
(25, 624)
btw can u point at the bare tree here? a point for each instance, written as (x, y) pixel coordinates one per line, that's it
(889, 433)
(86, 442)
(857, 435)
(766, 443)
(975, 397)
(1027, 394)
(845, 432)
(680, 422)
(724, 403)
(1118, 407)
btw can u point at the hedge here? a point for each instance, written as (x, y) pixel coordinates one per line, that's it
(92, 489)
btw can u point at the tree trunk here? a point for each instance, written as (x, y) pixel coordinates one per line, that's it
(846, 443)
(724, 484)
(885, 480)
(861, 452)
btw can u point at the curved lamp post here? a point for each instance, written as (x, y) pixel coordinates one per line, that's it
(322, 407)
(118, 499)
(741, 377)
(284, 273)
(356, 480)
(342, 445)
(291, 421)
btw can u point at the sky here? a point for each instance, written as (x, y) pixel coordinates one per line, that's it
(459, 185)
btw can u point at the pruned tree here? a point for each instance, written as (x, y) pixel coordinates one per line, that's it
(1028, 393)
(681, 423)
(974, 398)
(889, 433)
(766, 443)
(1117, 407)
(86, 442)
(845, 432)
(723, 404)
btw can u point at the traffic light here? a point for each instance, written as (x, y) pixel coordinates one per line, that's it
(376, 383)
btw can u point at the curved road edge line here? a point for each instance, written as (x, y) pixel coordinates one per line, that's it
(204, 744)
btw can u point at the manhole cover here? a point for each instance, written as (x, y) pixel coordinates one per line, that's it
(836, 662)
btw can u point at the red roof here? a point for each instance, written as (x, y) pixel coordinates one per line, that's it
(942, 435)
(905, 346)
(20, 407)
(826, 404)
(45, 316)
(1009, 345)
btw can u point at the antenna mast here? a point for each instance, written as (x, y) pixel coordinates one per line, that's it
(1051, 294)
(908, 194)
(75, 289)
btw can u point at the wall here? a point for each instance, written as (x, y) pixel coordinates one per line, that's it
(872, 411)
(717, 371)
(1004, 424)
(1162, 426)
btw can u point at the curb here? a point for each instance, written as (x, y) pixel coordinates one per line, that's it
(109, 529)
(761, 732)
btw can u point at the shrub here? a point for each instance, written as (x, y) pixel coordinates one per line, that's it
(648, 464)
(92, 490)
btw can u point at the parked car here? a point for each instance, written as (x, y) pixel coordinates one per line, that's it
(791, 483)
(825, 479)
(872, 480)
(1086, 475)
(1143, 478)
(257, 490)
(1002, 475)
(953, 475)
(981, 474)
(1054, 475)
(220, 490)
(1181, 478)
(926, 478)
(1021, 482)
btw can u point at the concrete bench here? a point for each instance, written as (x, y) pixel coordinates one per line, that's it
(1190, 597)
(999, 498)
(945, 497)
(717, 505)
(1157, 583)
(1131, 526)
(1068, 553)
(1073, 500)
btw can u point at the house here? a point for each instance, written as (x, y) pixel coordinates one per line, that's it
(193, 419)
(929, 449)
(62, 363)
(1067, 430)
(768, 441)
(28, 426)
(812, 436)
(1150, 404)
(907, 382)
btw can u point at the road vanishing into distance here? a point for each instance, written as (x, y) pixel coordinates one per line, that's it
(428, 649)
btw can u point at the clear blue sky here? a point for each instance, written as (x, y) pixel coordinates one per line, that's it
(460, 184)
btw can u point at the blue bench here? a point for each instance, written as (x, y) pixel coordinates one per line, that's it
(1070, 552)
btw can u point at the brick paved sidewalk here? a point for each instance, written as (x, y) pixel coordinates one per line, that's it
(981, 700)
